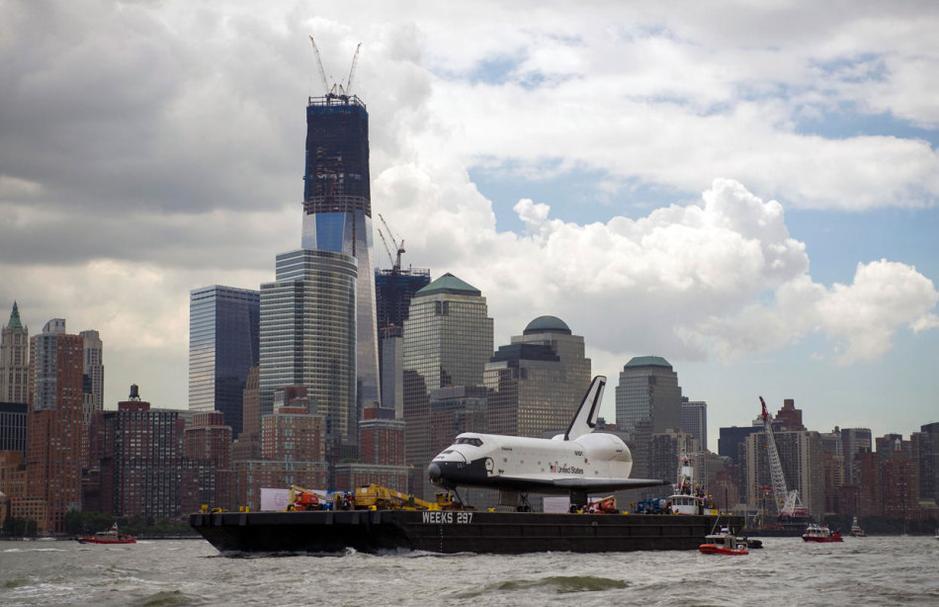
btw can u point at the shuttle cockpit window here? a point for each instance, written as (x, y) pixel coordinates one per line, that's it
(469, 441)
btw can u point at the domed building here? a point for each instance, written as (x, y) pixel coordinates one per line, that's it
(537, 380)
(547, 324)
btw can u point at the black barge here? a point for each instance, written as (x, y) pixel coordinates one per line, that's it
(451, 531)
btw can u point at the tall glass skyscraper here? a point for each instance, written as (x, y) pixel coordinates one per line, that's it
(394, 290)
(308, 331)
(94, 368)
(338, 213)
(694, 420)
(447, 341)
(648, 391)
(223, 346)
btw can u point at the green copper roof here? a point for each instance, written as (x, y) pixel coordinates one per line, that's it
(547, 324)
(15, 318)
(448, 283)
(648, 361)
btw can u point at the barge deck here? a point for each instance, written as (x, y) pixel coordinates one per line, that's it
(451, 531)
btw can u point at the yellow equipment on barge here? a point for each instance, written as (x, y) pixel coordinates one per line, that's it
(377, 497)
(366, 497)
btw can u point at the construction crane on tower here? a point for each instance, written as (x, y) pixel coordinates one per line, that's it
(788, 503)
(398, 246)
(336, 89)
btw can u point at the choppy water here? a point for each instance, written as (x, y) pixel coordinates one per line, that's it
(868, 571)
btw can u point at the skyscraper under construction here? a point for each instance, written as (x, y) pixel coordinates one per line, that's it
(338, 213)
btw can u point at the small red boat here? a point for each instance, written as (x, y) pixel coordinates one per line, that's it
(111, 536)
(724, 542)
(821, 534)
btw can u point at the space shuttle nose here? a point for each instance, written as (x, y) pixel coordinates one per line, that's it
(433, 471)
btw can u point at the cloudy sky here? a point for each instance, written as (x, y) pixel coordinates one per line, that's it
(749, 189)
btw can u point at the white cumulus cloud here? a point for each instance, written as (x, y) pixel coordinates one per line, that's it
(721, 277)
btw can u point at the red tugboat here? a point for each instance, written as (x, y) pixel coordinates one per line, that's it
(724, 542)
(111, 536)
(821, 533)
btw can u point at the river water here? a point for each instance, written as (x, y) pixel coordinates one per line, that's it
(860, 571)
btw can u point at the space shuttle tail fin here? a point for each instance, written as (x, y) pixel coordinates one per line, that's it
(585, 420)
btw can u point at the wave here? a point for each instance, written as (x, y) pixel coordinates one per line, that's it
(561, 584)
(166, 598)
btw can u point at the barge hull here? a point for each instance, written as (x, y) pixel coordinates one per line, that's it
(450, 532)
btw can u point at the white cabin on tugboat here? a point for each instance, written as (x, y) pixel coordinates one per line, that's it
(856, 530)
(687, 498)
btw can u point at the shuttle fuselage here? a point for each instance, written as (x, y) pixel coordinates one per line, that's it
(579, 461)
(600, 461)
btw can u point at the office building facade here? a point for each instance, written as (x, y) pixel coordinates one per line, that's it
(338, 214)
(14, 359)
(929, 462)
(694, 420)
(730, 438)
(293, 450)
(206, 477)
(381, 453)
(293, 434)
(248, 443)
(801, 454)
(381, 438)
(538, 380)
(308, 336)
(394, 290)
(223, 346)
(13, 427)
(448, 335)
(139, 452)
(854, 441)
(665, 452)
(788, 417)
(55, 421)
(92, 386)
(93, 368)
(648, 390)
(447, 341)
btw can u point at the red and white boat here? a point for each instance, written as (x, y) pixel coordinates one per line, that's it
(821, 533)
(111, 536)
(724, 542)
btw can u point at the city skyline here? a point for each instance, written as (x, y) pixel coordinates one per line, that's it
(739, 315)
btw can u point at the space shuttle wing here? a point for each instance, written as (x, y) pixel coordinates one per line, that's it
(608, 484)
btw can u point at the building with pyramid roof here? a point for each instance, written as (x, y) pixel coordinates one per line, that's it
(448, 339)
(14, 359)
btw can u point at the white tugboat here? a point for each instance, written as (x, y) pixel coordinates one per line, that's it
(856, 530)
(688, 498)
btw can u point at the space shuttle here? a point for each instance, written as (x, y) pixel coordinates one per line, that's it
(578, 462)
